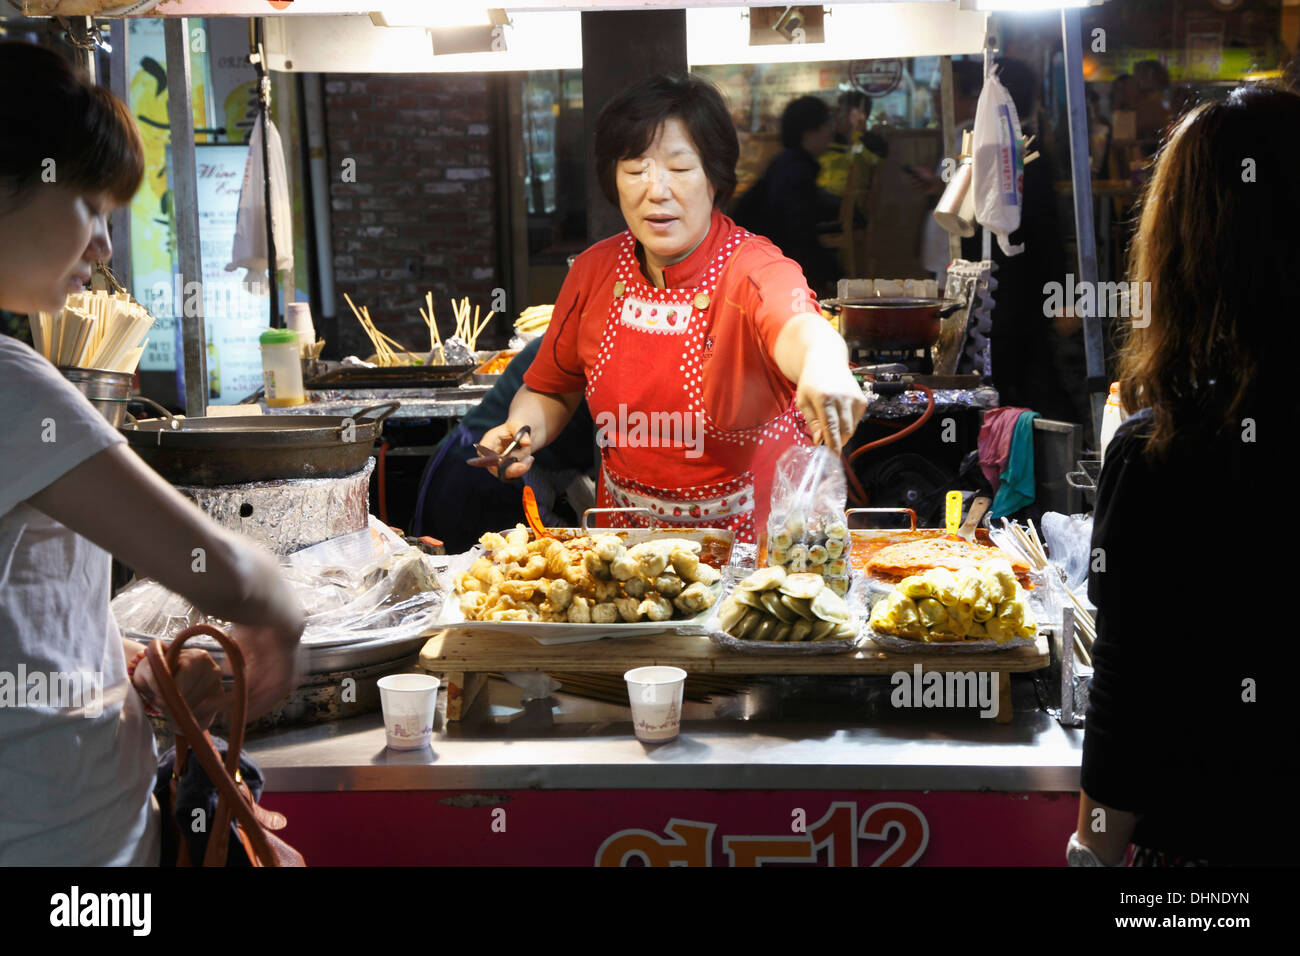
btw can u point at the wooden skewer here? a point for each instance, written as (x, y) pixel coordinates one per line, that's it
(478, 330)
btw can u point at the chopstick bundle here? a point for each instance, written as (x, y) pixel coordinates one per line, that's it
(386, 348)
(1031, 546)
(469, 327)
(94, 330)
(431, 320)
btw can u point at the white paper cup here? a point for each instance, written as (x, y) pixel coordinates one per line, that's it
(409, 702)
(297, 316)
(656, 697)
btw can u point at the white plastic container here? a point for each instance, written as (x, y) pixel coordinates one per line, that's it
(1111, 418)
(281, 368)
(297, 317)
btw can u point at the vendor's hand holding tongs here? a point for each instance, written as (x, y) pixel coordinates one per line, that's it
(499, 462)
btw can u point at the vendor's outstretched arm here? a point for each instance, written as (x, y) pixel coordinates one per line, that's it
(545, 415)
(812, 354)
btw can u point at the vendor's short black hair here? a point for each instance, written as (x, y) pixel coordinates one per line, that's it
(51, 111)
(630, 121)
(803, 115)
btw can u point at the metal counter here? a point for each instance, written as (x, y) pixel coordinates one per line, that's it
(416, 403)
(784, 733)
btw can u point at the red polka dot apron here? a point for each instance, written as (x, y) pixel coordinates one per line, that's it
(659, 449)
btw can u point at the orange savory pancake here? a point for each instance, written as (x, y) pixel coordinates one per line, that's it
(897, 561)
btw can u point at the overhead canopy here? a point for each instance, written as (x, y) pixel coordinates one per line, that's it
(715, 34)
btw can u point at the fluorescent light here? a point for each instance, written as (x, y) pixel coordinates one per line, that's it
(353, 44)
(864, 31)
(462, 14)
(1027, 6)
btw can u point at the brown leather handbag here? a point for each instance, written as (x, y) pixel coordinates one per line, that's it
(253, 823)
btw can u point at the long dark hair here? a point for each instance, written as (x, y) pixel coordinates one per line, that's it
(1217, 242)
(49, 112)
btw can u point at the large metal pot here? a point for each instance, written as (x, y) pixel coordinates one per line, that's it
(233, 451)
(902, 323)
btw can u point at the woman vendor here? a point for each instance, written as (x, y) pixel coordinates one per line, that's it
(698, 346)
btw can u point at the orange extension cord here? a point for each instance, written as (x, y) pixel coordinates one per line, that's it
(856, 491)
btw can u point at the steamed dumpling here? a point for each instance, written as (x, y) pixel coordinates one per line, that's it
(944, 583)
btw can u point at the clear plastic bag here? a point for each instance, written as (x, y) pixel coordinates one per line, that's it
(367, 586)
(999, 169)
(807, 530)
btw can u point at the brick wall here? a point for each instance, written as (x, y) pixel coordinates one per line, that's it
(420, 215)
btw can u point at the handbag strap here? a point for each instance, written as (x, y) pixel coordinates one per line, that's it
(190, 737)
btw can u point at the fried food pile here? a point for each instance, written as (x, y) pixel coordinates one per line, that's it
(588, 580)
(973, 603)
(771, 605)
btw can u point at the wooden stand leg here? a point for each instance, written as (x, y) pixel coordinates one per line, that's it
(462, 689)
(1004, 699)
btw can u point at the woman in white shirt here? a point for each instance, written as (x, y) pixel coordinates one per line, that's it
(77, 773)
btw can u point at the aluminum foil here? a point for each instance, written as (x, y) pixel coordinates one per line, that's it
(289, 514)
(770, 649)
(907, 404)
(890, 642)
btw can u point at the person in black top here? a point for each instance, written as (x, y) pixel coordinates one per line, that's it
(458, 502)
(1187, 754)
(786, 205)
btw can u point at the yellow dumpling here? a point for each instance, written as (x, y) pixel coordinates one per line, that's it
(944, 583)
(1011, 613)
(999, 630)
(932, 612)
(960, 619)
(983, 609)
(916, 586)
(897, 614)
(993, 588)
(1029, 626)
(1001, 570)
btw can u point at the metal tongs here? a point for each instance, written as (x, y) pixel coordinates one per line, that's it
(499, 462)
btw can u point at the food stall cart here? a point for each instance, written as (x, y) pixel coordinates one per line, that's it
(806, 762)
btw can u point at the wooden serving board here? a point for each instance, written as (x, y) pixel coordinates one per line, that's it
(464, 656)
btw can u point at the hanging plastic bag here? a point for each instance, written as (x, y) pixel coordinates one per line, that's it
(249, 249)
(999, 168)
(806, 528)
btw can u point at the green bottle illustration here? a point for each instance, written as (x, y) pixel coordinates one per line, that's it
(214, 368)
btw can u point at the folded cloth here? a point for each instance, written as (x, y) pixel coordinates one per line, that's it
(995, 442)
(1017, 487)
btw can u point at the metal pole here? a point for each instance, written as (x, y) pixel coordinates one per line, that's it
(264, 109)
(119, 224)
(948, 122)
(180, 116)
(1081, 175)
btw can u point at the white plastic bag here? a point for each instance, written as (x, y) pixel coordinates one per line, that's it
(249, 249)
(999, 172)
